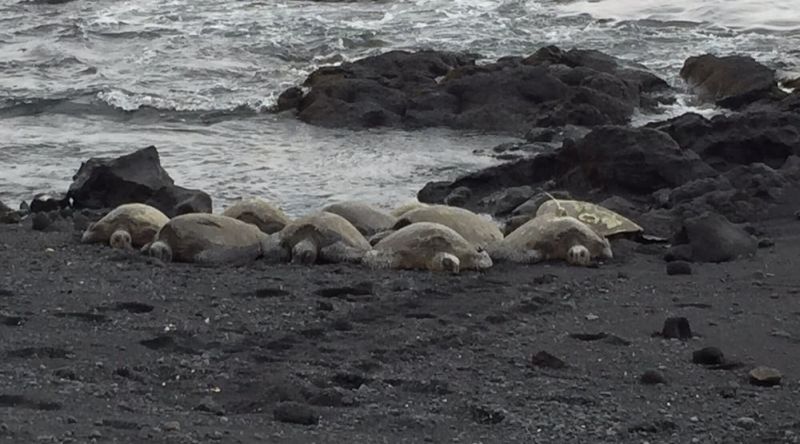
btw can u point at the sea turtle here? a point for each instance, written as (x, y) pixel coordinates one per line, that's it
(406, 207)
(320, 236)
(267, 217)
(602, 220)
(427, 246)
(550, 237)
(210, 239)
(477, 229)
(366, 218)
(126, 226)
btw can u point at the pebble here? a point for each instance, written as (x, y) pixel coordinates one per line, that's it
(675, 268)
(766, 243)
(765, 376)
(797, 214)
(676, 328)
(746, 422)
(592, 317)
(546, 360)
(171, 426)
(708, 356)
(652, 377)
(295, 413)
(95, 434)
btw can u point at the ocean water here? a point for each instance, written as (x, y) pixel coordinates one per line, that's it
(193, 77)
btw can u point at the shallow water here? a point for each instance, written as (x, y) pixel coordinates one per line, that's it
(74, 76)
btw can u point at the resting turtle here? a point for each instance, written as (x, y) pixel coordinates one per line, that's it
(127, 226)
(427, 246)
(210, 239)
(602, 220)
(551, 237)
(406, 207)
(479, 230)
(267, 217)
(320, 236)
(366, 218)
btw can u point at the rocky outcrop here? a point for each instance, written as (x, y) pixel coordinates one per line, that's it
(768, 137)
(732, 81)
(136, 177)
(7, 215)
(551, 88)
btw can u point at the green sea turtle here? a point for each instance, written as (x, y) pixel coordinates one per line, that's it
(319, 237)
(406, 207)
(551, 237)
(366, 218)
(210, 239)
(602, 220)
(127, 226)
(267, 217)
(427, 246)
(479, 230)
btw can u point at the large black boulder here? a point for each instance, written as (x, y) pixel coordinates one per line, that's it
(625, 160)
(136, 177)
(768, 137)
(551, 88)
(713, 238)
(731, 81)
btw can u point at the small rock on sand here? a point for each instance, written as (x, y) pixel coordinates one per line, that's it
(708, 356)
(678, 268)
(765, 376)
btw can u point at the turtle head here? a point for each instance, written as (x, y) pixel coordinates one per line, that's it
(121, 239)
(160, 250)
(446, 262)
(482, 259)
(579, 255)
(305, 252)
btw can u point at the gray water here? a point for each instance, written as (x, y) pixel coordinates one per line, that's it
(193, 77)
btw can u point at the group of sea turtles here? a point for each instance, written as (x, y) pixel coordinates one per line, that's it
(412, 236)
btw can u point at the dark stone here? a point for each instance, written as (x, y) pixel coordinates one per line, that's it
(715, 239)
(652, 377)
(708, 356)
(47, 202)
(295, 413)
(546, 360)
(483, 414)
(731, 81)
(635, 160)
(458, 197)
(505, 201)
(676, 328)
(769, 137)
(41, 221)
(678, 267)
(766, 243)
(515, 222)
(552, 88)
(8, 216)
(135, 177)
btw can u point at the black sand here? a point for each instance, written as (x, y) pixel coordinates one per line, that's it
(105, 346)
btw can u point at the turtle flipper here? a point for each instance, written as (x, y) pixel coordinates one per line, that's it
(341, 252)
(227, 255)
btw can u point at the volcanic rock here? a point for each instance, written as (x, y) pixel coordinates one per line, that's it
(731, 81)
(708, 356)
(677, 328)
(713, 238)
(135, 177)
(551, 88)
(765, 376)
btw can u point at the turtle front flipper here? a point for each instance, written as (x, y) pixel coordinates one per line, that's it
(340, 252)
(227, 255)
(443, 261)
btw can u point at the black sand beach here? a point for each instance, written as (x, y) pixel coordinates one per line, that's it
(106, 346)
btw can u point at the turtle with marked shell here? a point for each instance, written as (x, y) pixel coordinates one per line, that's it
(366, 218)
(267, 217)
(208, 239)
(602, 220)
(127, 226)
(319, 237)
(477, 229)
(427, 246)
(552, 237)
